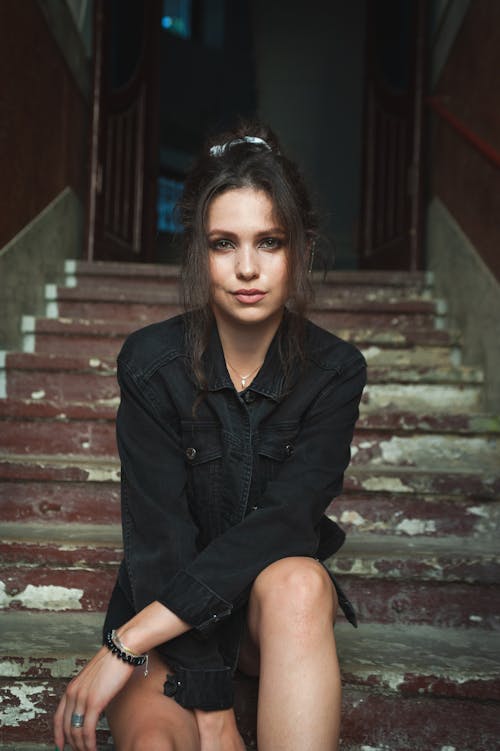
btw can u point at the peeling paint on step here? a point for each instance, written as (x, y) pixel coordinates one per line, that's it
(94, 362)
(390, 484)
(37, 394)
(43, 597)
(352, 517)
(482, 511)
(103, 474)
(416, 526)
(24, 708)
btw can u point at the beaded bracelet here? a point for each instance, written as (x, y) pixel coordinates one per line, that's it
(116, 646)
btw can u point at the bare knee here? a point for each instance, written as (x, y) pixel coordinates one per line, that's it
(297, 590)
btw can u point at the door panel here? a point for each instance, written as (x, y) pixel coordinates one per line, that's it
(390, 232)
(124, 165)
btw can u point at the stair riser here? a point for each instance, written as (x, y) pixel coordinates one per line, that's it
(379, 722)
(412, 516)
(108, 347)
(333, 290)
(96, 438)
(451, 604)
(478, 486)
(83, 387)
(140, 314)
(67, 502)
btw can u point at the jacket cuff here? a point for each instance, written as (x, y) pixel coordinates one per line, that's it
(206, 689)
(195, 603)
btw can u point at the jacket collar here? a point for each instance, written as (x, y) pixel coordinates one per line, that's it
(270, 379)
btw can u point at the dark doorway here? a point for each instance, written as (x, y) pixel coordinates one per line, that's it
(391, 214)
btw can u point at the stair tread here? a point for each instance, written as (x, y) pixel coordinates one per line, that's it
(394, 650)
(362, 545)
(100, 327)
(47, 362)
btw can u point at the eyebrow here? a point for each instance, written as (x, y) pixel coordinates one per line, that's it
(263, 233)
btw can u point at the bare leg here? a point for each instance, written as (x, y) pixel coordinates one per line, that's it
(142, 718)
(290, 628)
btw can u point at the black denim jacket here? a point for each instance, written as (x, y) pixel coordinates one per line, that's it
(209, 500)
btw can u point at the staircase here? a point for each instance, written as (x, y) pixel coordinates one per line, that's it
(421, 506)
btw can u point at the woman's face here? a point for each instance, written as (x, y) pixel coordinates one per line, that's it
(247, 258)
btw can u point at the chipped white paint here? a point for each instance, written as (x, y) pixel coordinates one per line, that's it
(103, 474)
(422, 396)
(438, 450)
(441, 307)
(371, 352)
(52, 310)
(374, 748)
(51, 292)
(416, 526)
(37, 394)
(390, 484)
(476, 618)
(27, 324)
(70, 281)
(365, 444)
(3, 376)
(482, 511)
(352, 517)
(60, 668)
(44, 597)
(28, 343)
(354, 451)
(85, 444)
(70, 266)
(456, 356)
(94, 362)
(447, 748)
(26, 709)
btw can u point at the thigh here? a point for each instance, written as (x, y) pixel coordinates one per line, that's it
(142, 717)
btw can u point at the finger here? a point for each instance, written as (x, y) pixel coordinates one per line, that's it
(58, 723)
(77, 740)
(89, 730)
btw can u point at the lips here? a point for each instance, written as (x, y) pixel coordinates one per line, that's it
(249, 296)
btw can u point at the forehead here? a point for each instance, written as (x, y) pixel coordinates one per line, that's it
(242, 207)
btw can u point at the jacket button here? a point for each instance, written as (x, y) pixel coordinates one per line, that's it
(190, 453)
(289, 449)
(248, 397)
(170, 686)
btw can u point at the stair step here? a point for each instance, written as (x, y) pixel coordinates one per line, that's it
(165, 272)
(93, 378)
(95, 329)
(404, 668)
(395, 422)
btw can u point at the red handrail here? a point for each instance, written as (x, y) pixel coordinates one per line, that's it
(482, 146)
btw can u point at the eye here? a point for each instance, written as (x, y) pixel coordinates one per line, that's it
(221, 244)
(271, 243)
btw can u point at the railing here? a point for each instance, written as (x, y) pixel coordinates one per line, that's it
(467, 134)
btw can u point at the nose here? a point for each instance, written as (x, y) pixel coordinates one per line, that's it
(246, 263)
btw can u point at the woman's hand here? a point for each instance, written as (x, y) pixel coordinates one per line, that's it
(89, 694)
(218, 731)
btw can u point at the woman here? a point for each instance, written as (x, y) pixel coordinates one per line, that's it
(233, 430)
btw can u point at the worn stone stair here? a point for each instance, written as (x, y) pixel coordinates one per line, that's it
(421, 504)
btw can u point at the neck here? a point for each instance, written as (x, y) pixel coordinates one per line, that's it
(245, 346)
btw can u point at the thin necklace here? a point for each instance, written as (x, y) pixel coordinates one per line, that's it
(243, 378)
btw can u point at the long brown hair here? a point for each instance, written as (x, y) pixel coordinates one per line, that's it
(248, 157)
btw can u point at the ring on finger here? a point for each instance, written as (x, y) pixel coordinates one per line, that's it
(77, 720)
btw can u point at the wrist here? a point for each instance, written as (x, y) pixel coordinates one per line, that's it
(215, 720)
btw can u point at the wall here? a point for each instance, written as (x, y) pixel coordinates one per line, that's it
(34, 257)
(44, 116)
(309, 59)
(463, 229)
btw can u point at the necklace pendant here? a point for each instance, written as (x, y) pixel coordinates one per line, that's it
(243, 382)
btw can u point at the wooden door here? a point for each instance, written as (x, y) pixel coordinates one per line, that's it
(391, 217)
(125, 131)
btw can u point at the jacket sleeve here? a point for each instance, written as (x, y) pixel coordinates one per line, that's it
(204, 590)
(159, 537)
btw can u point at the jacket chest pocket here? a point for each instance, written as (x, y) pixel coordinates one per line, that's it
(275, 445)
(203, 452)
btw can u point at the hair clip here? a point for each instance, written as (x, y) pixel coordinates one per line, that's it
(220, 148)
